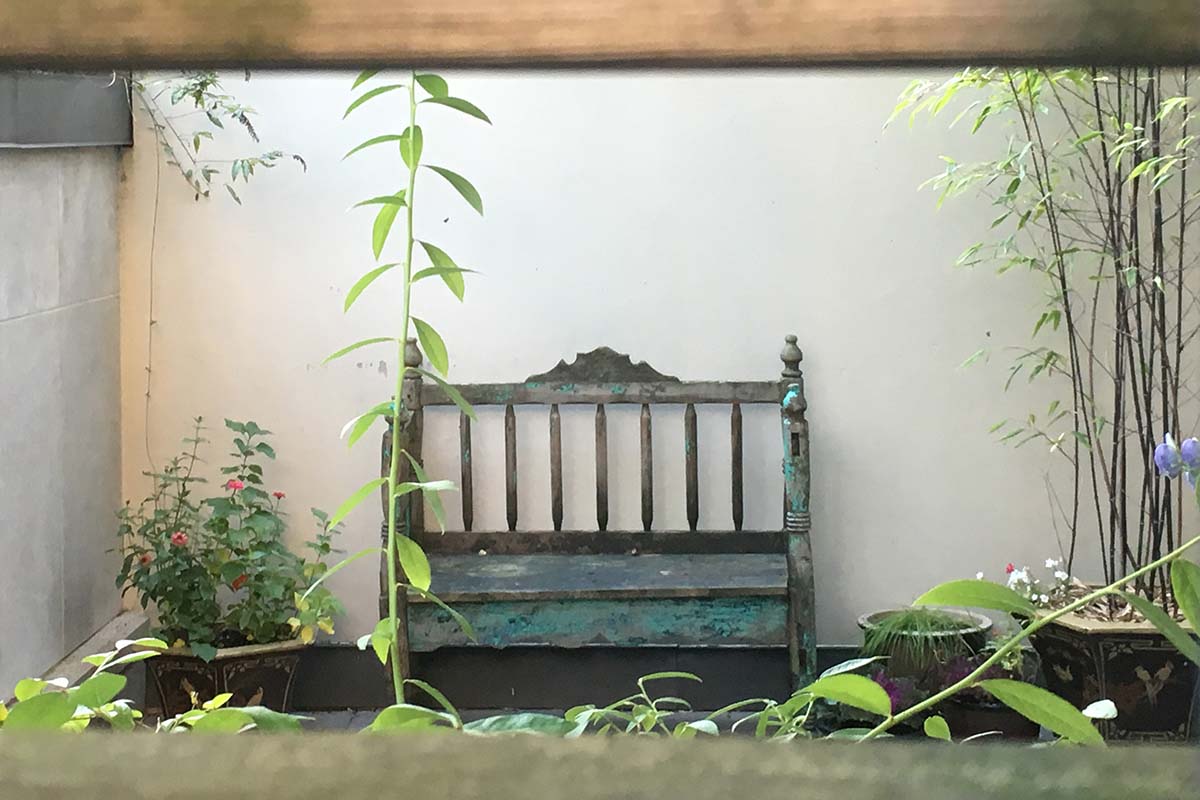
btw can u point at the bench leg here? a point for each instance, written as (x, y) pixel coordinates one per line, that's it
(802, 644)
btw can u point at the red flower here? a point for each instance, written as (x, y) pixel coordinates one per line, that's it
(278, 495)
(179, 539)
(234, 485)
(1010, 569)
(145, 558)
(238, 582)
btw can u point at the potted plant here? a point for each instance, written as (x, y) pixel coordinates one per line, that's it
(917, 641)
(229, 595)
(1092, 201)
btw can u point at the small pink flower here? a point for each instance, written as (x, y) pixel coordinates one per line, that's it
(145, 558)
(234, 485)
(278, 495)
(1010, 569)
(179, 539)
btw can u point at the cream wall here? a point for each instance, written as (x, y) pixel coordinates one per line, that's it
(688, 219)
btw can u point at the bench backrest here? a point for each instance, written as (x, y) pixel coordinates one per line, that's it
(601, 378)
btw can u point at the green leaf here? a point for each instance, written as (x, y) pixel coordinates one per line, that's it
(852, 665)
(462, 186)
(345, 562)
(353, 500)
(1168, 627)
(528, 723)
(356, 345)
(364, 97)
(435, 499)
(1037, 704)
(451, 275)
(31, 687)
(388, 137)
(203, 651)
(412, 142)
(379, 639)
(433, 345)
(855, 734)
(363, 77)
(382, 227)
(362, 423)
(1185, 584)
(458, 104)
(977, 594)
(853, 690)
(270, 721)
(48, 711)
(936, 728)
(457, 617)
(405, 718)
(451, 392)
(438, 696)
(365, 281)
(396, 199)
(223, 720)
(434, 84)
(98, 689)
(414, 562)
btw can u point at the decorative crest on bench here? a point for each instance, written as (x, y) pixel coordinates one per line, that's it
(602, 365)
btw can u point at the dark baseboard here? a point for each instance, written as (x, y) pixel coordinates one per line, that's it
(340, 676)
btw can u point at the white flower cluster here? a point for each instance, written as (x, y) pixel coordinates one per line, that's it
(1043, 594)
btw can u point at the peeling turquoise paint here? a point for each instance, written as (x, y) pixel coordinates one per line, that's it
(534, 385)
(618, 388)
(565, 388)
(627, 623)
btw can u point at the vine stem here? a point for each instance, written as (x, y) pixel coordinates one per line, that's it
(399, 415)
(1015, 642)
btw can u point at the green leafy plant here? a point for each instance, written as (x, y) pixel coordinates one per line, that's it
(217, 569)
(917, 638)
(47, 705)
(1092, 202)
(421, 91)
(188, 109)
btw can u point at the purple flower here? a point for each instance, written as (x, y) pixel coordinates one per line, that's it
(1189, 451)
(1167, 458)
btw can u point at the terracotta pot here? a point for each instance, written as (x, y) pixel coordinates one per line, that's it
(256, 675)
(1153, 686)
(973, 632)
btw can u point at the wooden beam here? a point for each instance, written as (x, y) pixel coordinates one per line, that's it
(358, 33)
(318, 767)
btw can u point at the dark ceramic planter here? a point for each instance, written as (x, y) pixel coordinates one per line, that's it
(967, 718)
(256, 675)
(1153, 687)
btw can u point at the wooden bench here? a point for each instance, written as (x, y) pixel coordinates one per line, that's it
(617, 588)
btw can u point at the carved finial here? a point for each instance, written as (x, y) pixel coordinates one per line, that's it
(791, 356)
(412, 354)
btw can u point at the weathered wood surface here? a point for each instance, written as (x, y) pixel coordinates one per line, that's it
(698, 392)
(556, 477)
(161, 33)
(510, 467)
(476, 578)
(601, 469)
(691, 466)
(357, 767)
(757, 621)
(735, 466)
(602, 541)
(647, 469)
(466, 471)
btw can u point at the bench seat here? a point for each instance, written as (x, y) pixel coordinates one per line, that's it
(613, 600)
